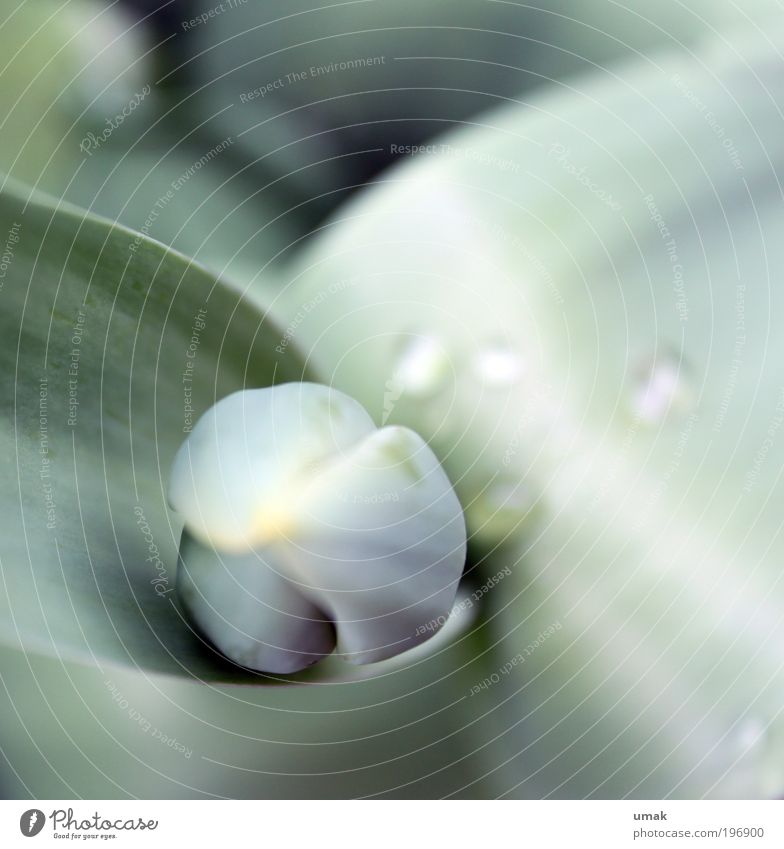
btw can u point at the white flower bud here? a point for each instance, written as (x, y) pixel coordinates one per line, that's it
(307, 528)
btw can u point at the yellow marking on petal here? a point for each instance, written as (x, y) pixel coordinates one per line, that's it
(273, 523)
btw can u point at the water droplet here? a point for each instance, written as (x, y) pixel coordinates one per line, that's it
(660, 389)
(421, 369)
(749, 735)
(756, 750)
(499, 366)
(750, 761)
(422, 366)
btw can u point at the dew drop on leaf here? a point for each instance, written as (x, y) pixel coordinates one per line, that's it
(661, 389)
(421, 367)
(499, 366)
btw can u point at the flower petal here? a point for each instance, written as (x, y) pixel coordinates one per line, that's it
(303, 516)
(250, 612)
(380, 543)
(230, 477)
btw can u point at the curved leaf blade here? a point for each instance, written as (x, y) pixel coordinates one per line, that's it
(113, 346)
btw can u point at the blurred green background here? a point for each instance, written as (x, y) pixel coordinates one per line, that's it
(269, 116)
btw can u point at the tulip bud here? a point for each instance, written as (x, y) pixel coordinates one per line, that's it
(307, 529)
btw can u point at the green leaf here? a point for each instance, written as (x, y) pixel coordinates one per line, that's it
(113, 345)
(75, 731)
(514, 294)
(381, 75)
(91, 123)
(586, 291)
(188, 197)
(67, 68)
